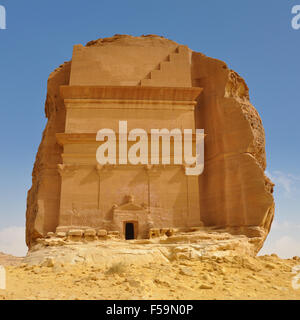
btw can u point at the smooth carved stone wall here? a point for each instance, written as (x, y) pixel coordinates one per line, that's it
(234, 192)
(166, 199)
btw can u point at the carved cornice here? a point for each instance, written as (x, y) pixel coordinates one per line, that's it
(110, 104)
(87, 138)
(130, 93)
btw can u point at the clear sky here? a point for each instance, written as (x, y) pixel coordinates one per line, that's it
(254, 37)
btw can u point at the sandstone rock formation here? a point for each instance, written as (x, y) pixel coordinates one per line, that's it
(233, 192)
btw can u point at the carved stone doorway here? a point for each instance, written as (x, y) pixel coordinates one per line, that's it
(130, 230)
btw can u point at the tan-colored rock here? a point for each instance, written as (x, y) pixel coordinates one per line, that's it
(102, 233)
(75, 234)
(90, 234)
(205, 286)
(50, 234)
(61, 234)
(170, 232)
(48, 262)
(163, 231)
(151, 82)
(154, 232)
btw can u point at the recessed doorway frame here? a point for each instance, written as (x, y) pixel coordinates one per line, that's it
(135, 228)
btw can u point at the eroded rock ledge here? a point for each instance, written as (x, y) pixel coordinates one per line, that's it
(78, 246)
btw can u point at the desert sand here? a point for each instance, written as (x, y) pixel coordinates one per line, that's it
(265, 277)
(208, 277)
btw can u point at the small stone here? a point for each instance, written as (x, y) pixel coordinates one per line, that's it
(186, 272)
(163, 231)
(28, 268)
(61, 234)
(114, 233)
(90, 232)
(134, 283)
(48, 262)
(270, 266)
(205, 286)
(162, 282)
(76, 232)
(170, 232)
(102, 233)
(182, 256)
(154, 233)
(207, 277)
(50, 234)
(296, 258)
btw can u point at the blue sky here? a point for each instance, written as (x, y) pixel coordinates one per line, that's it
(255, 38)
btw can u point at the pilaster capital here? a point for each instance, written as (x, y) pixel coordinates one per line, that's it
(153, 170)
(104, 169)
(67, 170)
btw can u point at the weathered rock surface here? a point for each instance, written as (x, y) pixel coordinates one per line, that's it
(43, 197)
(182, 246)
(235, 194)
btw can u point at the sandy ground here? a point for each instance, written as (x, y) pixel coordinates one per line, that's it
(266, 277)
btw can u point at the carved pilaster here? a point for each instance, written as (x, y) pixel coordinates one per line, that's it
(193, 205)
(153, 173)
(102, 171)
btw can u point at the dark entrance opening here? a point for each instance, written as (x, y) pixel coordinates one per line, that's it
(129, 231)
